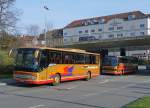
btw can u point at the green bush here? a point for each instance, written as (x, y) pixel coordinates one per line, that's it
(6, 63)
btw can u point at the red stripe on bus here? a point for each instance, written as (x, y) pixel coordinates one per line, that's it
(35, 82)
(50, 81)
(73, 78)
(94, 75)
(119, 72)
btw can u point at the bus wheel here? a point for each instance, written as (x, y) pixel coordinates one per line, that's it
(88, 76)
(56, 80)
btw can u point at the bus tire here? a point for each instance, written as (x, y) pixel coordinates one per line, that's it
(88, 76)
(57, 80)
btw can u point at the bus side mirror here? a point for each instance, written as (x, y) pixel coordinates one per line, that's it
(51, 64)
(13, 53)
(36, 53)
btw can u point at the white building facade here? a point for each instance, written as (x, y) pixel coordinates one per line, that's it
(124, 25)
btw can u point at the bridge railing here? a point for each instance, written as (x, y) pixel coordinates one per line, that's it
(106, 40)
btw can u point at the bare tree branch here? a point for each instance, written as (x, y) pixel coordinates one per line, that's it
(8, 15)
(33, 30)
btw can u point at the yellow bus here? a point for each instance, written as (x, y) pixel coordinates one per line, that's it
(119, 65)
(43, 65)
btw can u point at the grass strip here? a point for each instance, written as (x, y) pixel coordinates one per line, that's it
(143, 102)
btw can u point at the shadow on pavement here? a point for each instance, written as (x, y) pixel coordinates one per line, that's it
(12, 82)
(143, 72)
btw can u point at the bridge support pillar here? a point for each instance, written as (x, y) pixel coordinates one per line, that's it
(104, 52)
(122, 52)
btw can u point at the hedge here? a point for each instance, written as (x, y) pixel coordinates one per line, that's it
(6, 63)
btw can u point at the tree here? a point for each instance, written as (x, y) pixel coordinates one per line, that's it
(33, 30)
(7, 41)
(8, 15)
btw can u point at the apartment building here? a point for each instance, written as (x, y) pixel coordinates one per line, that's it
(117, 26)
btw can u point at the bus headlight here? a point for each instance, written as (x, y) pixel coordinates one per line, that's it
(33, 78)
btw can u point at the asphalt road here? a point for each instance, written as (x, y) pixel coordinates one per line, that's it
(105, 91)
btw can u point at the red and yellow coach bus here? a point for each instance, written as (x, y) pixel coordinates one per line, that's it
(119, 65)
(44, 65)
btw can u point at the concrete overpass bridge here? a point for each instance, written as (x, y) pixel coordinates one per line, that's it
(128, 43)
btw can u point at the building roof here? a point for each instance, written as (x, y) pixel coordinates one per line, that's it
(105, 19)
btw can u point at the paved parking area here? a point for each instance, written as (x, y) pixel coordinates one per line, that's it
(105, 91)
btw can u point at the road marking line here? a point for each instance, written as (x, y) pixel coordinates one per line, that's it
(146, 81)
(105, 81)
(38, 106)
(69, 88)
(65, 88)
(91, 94)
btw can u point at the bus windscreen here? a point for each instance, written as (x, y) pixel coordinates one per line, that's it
(26, 61)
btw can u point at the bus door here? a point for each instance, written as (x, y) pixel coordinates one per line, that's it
(44, 65)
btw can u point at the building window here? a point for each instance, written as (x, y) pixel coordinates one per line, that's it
(142, 33)
(100, 37)
(93, 30)
(65, 40)
(65, 34)
(111, 36)
(80, 32)
(86, 31)
(71, 39)
(131, 17)
(119, 35)
(132, 34)
(100, 30)
(119, 28)
(142, 25)
(102, 21)
(111, 28)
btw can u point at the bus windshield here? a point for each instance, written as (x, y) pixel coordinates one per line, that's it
(110, 61)
(123, 60)
(26, 60)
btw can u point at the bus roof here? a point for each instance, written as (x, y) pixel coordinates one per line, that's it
(64, 49)
(121, 56)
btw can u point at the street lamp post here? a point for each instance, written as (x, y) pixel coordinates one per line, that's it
(45, 31)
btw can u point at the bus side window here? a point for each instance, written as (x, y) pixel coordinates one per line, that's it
(55, 57)
(92, 59)
(66, 60)
(44, 59)
(79, 59)
(51, 58)
(58, 59)
(71, 59)
(87, 59)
